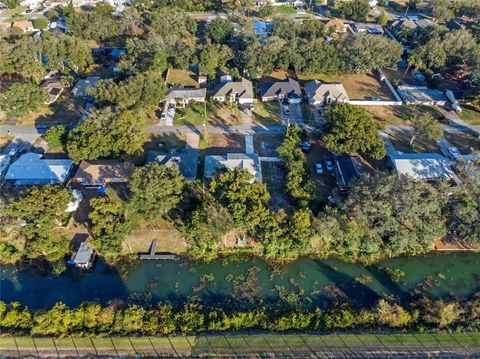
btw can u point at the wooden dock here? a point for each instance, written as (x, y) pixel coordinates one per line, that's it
(153, 256)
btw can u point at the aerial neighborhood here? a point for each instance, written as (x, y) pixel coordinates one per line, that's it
(276, 129)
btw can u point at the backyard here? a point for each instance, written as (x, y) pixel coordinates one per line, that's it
(401, 142)
(466, 143)
(401, 115)
(185, 78)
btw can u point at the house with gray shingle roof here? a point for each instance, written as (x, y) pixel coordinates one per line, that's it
(186, 95)
(288, 89)
(322, 94)
(240, 91)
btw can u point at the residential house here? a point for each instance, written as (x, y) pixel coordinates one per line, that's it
(24, 25)
(80, 89)
(240, 91)
(32, 169)
(323, 94)
(186, 161)
(4, 163)
(347, 168)
(421, 95)
(53, 89)
(288, 89)
(402, 28)
(233, 161)
(185, 95)
(422, 166)
(337, 25)
(98, 173)
(369, 27)
(84, 256)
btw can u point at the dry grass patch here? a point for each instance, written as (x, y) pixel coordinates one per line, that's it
(5, 141)
(266, 113)
(182, 77)
(221, 114)
(222, 143)
(401, 142)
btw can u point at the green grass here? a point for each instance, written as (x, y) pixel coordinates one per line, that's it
(192, 115)
(285, 10)
(470, 115)
(232, 344)
(17, 10)
(322, 76)
(267, 113)
(401, 142)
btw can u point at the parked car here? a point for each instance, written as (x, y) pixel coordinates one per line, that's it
(329, 165)
(305, 146)
(318, 168)
(41, 127)
(453, 153)
(286, 110)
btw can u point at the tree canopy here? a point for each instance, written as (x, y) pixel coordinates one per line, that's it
(351, 129)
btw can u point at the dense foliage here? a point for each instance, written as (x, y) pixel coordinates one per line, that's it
(107, 132)
(195, 318)
(351, 129)
(22, 97)
(298, 183)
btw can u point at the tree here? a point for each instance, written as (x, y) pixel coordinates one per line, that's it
(464, 210)
(22, 97)
(426, 127)
(382, 19)
(40, 23)
(392, 314)
(42, 209)
(403, 216)
(213, 58)
(351, 129)
(219, 30)
(141, 91)
(156, 190)
(246, 201)
(266, 11)
(106, 133)
(441, 10)
(413, 4)
(356, 10)
(12, 4)
(110, 226)
(56, 136)
(367, 52)
(439, 312)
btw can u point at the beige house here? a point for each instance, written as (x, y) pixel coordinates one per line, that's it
(324, 94)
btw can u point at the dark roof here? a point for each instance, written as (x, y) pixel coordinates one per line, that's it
(349, 168)
(186, 161)
(104, 169)
(289, 88)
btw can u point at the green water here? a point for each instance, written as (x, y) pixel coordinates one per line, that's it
(301, 283)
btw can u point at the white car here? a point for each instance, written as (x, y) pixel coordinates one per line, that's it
(453, 152)
(318, 168)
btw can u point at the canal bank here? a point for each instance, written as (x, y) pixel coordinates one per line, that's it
(303, 282)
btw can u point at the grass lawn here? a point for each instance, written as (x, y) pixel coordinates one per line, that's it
(242, 344)
(400, 115)
(165, 142)
(182, 77)
(285, 10)
(266, 113)
(168, 238)
(464, 142)
(192, 115)
(17, 10)
(470, 115)
(222, 114)
(401, 142)
(65, 111)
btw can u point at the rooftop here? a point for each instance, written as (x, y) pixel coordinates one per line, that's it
(233, 161)
(104, 169)
(186, 161)
(185, 93)
(320, 91)
(80, 89)
(289, 88)
(243, 88)
(31, 169)
(422, 166)
(420, 94)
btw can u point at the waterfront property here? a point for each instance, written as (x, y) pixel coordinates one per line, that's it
(84, 257)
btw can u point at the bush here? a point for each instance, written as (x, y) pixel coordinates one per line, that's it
(40, 23)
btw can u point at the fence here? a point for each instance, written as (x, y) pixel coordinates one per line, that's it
(253, 345)
(374, 103)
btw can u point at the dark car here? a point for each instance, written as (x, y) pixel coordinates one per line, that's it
(305, 146)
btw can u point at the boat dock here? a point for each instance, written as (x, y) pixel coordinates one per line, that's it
(153, 256)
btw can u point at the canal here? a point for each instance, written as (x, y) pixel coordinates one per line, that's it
(301, 283)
